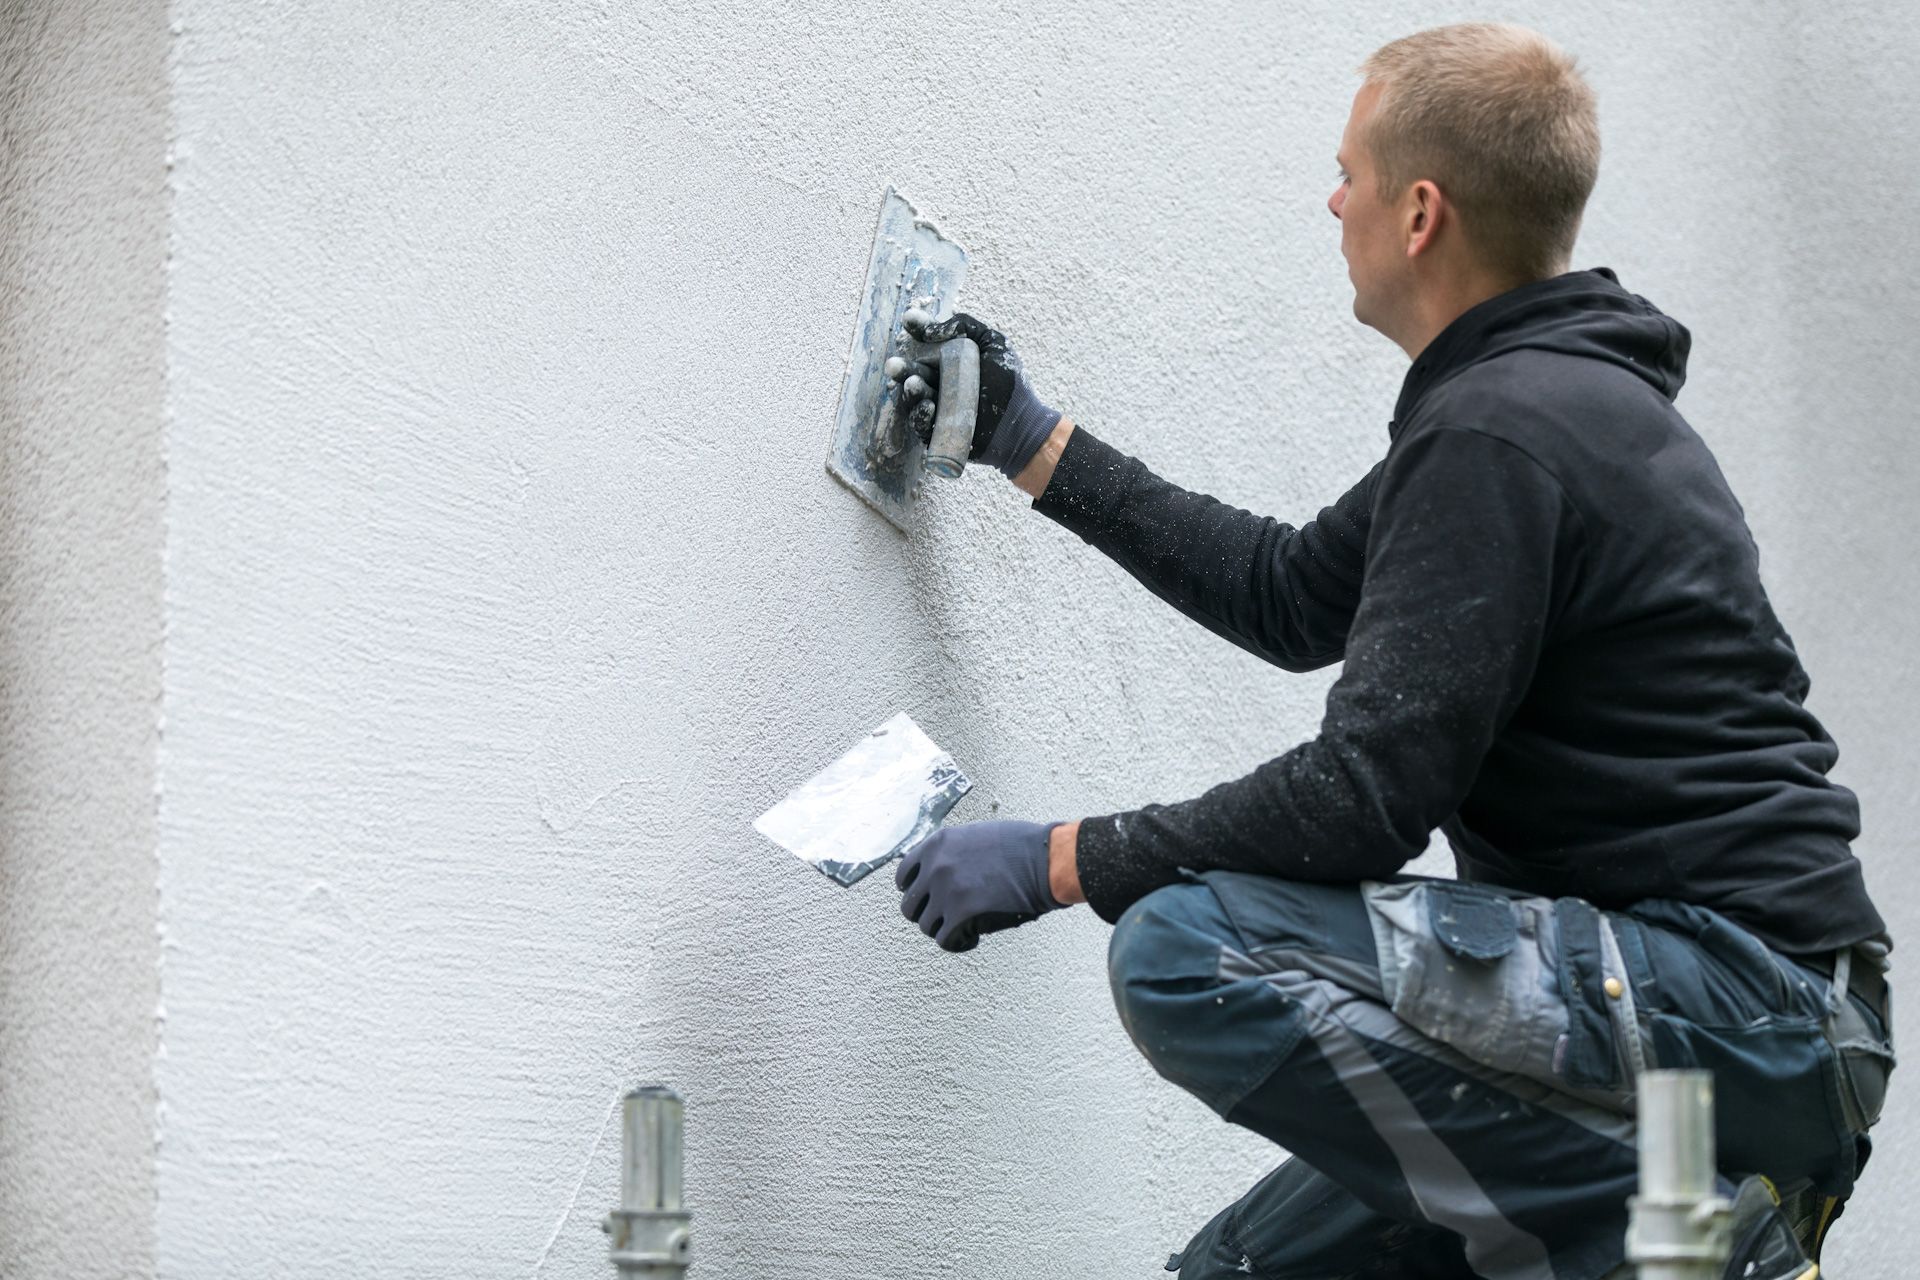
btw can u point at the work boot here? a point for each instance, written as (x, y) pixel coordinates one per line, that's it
(1813, 1212)
(1809, 1212)
(1764, 1244)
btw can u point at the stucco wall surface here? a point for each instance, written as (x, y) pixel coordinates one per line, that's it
(83, 137)
(505, 585)
(1832, 467)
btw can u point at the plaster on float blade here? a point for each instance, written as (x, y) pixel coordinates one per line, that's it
(889, 792)
(872, 451)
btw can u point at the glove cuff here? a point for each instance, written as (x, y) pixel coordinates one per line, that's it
(1023, 428)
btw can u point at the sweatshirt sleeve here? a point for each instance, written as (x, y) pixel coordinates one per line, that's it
(1468, 536)
(1284, 594)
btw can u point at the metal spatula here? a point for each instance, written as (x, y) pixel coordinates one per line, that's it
(890, 791)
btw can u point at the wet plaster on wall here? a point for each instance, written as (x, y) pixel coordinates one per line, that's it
(83, 135)
(506, 586)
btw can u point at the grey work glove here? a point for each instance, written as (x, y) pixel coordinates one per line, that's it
(961, 882)
(1011, 424)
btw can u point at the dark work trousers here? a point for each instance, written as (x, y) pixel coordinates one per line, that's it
(1452, 1065)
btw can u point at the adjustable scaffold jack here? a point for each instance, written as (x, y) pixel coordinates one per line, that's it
(651, 1229)
(1679, 1225)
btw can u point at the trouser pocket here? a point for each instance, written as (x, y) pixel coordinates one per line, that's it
(1799, 1072)
(1777, 1098)
(1865, 1059)
(1465, 964)
(1863, 1079)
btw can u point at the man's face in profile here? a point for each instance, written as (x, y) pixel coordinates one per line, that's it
(1367, 238)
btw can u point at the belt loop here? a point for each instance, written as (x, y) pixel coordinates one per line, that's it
(1842, 974)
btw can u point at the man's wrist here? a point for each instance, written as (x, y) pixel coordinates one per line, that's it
(1063, 869)
(1034, 477)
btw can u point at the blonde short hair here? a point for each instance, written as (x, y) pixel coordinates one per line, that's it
(1500, 118)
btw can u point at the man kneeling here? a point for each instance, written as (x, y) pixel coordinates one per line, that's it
(1558, 652)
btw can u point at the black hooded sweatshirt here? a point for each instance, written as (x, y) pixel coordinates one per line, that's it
(1558, 650)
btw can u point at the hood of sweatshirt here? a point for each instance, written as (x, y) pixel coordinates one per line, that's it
(1581, 313)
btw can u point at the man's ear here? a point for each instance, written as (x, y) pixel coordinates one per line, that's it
(1426, 209)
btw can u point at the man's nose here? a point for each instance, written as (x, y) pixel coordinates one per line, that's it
(1335, 200)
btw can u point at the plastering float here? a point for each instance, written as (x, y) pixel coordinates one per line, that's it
(874, 452)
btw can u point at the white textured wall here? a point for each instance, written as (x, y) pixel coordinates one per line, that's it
(83, 137)
(505, 584)
(1834, 476)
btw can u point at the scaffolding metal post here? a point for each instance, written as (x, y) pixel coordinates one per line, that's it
(651, 1230)
(1680, 1227)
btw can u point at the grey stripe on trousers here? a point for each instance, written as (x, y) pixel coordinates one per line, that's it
(1339, 1023)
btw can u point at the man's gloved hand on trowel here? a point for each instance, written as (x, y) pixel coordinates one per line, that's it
(961, 882)
(1011, 425)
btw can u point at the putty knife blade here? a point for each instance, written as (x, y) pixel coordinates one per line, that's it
(890, 791)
